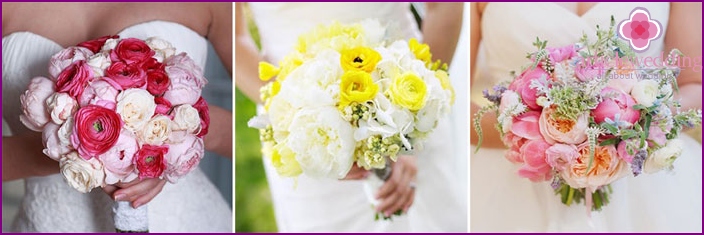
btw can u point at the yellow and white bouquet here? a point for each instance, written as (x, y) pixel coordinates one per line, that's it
(348, 95)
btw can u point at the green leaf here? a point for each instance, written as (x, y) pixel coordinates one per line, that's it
(639, 107)
(611, 128)
(646, 130)
(611, 141)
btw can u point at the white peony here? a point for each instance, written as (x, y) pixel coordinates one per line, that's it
(389, 121)
(645, 92)
(81, 174)
(53, 147)
(156, 131)
(163, 48)
(663, 158)
(136, 107)
(110, 44)
(186, 118)
(322, 141)
(60, 107)
(99, 63)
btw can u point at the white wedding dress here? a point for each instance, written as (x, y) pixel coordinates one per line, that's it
(502, 201)
(50, 205)
(308, 204)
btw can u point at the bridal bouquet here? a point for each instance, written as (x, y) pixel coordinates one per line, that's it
(114, 110)
(346, 95)
(585, 115)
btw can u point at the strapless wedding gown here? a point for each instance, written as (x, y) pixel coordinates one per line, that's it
(50, 205)
(332, 205)
(501, 201)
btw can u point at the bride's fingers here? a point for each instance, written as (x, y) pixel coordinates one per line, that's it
(390, 185)
(134, 191)
(409, 202)
(146, 198)
(356, 173)
(400, 196)
(109, 189)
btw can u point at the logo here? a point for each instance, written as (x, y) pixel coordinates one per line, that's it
(640, 29)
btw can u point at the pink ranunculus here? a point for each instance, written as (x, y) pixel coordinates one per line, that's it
(102, 89)
(560, 156)
(187, 80)
(34, 115)
(657, 135)
(557, 130)
(74, 78)
(96, 130)
(183, 157)
(150, 161)
(559, 54)
(66, 57)
(53, 147)
(616, 102)
(589, 69)
(96, 44)
(204, 112)
(522, 86)
(527, 125)
(535, 166)
(131, 51)
(118, 160)
(606, 167)
(622, 149)
(127, 75)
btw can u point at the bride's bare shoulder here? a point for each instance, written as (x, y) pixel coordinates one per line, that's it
(479, 6)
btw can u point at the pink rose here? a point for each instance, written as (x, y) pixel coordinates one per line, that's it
(61, 106)
(514, 143)
(204, 113)
(522, 86)
(557, 130)
(53, 146)
(96, 130)
(560, 156)
(118, 160)
(527, 125)
(657, 135)
(66, 57)
(622, 149)
(34, 115)
(96, 44)
(606, 168)
(535, 167)
(183, 157)
(150, 161)
(187, 80)
(127, 75)
(131, 51)
(589, 69)
(560, 54)
(102, 89)
(74, 79)
(615, 103)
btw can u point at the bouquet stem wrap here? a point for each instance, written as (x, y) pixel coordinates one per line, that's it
(129, 219)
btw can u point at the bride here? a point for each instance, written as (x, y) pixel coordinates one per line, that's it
(502, 34)
(32, 33)
(341, 205)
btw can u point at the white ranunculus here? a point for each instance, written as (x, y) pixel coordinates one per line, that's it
(645, 92)
(163, 48)
(136, 107)
(110, 44)
(61, 106)
(99, 63)
(322, 141)
(81, 174)
(156, 131)
(187, 118)
(663, 157)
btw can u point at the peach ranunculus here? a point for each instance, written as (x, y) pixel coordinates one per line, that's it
(556, 130)
(606, 167)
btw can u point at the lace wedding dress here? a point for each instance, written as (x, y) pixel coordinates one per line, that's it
(502, 201)
(308, 204)
(50, 205)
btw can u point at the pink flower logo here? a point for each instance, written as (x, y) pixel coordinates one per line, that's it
(640, 29)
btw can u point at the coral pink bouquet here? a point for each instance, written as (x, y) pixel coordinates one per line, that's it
(116, 110)
(583, 116)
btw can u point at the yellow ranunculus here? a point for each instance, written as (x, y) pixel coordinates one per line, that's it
(408, 91)
(445, 83)
(267, 71)
(420, 50)
(356, 86)
(359, 58)
(284, 161)
(272, 90)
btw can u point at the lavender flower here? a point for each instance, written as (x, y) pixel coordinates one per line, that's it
(637, 163)
(496, 97)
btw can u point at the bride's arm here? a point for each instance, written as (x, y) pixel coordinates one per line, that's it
(684, 32)
(22, 157)
(441, 29)
(491, 137)
(247, 64)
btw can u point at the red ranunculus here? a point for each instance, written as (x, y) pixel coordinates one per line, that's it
(97, 44)
(204, 113)
(131, 51)
(127, 75)
(95, 131)
(157, 82)
(163, 106)
(74, 79)
(150, 161)
(152, 64)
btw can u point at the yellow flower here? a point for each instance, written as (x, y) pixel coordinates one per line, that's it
(271, 89)
(356, 86)
(408, 91)
(420, 50)
(267, 71)
(359, 58)
(445, 83)
(334, 36)
(284, 161)
(288, 64)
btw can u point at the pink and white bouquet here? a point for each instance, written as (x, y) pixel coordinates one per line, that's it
(584, 115)
(115, 110)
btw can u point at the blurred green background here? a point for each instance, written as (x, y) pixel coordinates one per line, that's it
(253, 207)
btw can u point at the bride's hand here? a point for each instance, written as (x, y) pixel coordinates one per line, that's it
(356, 173)
(398, 192)
(138, 192)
